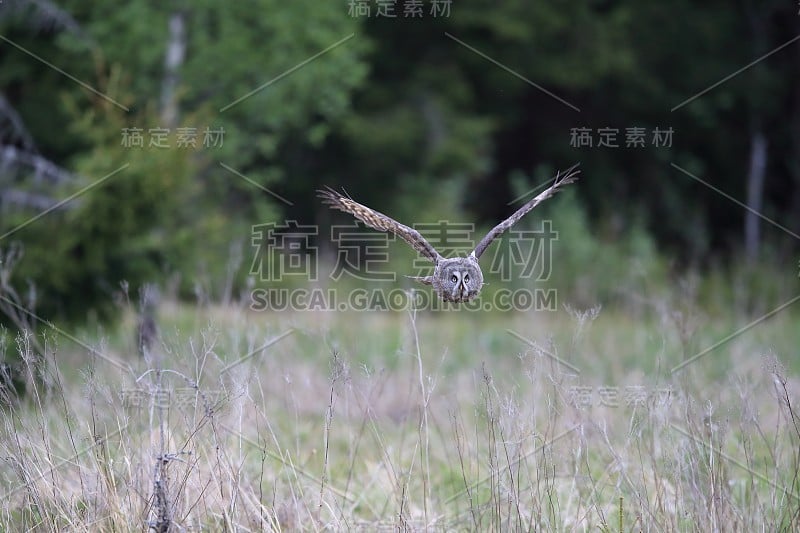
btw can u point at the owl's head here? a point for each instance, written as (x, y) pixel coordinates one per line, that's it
(458, 279)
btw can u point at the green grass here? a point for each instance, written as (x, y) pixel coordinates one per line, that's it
(440, 421)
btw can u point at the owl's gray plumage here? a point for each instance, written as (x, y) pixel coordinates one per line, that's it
(458, 279)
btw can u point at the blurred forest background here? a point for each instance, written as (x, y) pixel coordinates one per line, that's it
(435, 116)
(146, 146)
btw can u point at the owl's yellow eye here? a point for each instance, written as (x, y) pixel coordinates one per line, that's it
(454, 278)
(466, 278)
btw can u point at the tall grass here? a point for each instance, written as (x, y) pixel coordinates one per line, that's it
(411, 421)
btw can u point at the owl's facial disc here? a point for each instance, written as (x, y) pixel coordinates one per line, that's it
(460, 287)
(457, 280)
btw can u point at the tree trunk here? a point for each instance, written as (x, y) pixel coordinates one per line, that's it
(173, 60)
(755, 192)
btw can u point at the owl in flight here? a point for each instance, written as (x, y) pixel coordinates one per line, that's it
(458, 279)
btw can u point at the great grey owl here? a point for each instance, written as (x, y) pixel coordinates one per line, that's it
(458, 279)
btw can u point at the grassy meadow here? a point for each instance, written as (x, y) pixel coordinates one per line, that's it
(572, 420)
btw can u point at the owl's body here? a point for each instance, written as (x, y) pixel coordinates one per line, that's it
(457, 279)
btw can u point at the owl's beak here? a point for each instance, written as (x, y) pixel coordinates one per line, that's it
(463, 291)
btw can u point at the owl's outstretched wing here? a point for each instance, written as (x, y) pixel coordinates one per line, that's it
(569, 176)
(380, 222)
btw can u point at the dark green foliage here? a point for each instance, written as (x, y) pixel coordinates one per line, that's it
(164, 210)
(406, 114)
